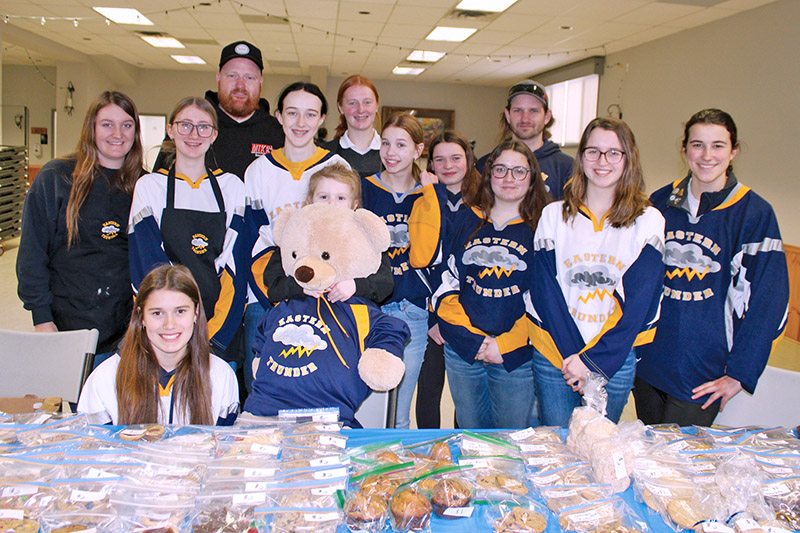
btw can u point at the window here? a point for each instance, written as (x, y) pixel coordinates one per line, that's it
(574, 105)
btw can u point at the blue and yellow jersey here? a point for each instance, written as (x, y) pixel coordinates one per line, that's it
(725, 294)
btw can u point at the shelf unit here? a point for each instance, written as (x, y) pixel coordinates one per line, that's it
(13, 187)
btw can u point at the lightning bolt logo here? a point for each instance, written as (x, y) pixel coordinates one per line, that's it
(689, 272)
(496, 270)
(597, 293)
(397, 251)
(299, 350)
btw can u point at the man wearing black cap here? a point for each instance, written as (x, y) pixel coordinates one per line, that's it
(246, 128)
(527, 118)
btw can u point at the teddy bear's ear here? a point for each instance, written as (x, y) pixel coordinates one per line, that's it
(279, 224)
(375, 228)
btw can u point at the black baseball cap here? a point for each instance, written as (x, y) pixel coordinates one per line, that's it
(241, 49)
(529, 87)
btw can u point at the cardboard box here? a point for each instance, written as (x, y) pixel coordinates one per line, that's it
(28, 404)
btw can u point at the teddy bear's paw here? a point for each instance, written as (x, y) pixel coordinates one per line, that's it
(380, 370)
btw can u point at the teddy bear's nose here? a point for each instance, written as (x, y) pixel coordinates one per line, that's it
(304, 274)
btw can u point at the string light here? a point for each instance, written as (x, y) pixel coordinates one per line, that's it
(43, 21)
(75, 23)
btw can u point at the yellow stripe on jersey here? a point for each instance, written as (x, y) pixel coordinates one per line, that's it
(166, 391)
(451, 311)
(223, 306)
(516, 337)
(424, 228)
(296, 169)
(544, 344)
(738, 195)
(361, 316)
(258, 267)
(597, 224)
(645, 337)
(613, 320)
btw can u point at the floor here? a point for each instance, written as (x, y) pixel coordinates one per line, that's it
(12, 316)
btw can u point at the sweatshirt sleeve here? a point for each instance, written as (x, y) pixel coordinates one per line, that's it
(454, 324)
(380, 330)
(40, 220)
(145, 244)
(379, 286)
(258, 234)
(756, 307)
(279, 286)
(427, 226)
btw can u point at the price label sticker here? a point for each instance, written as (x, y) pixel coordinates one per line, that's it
(459, 512)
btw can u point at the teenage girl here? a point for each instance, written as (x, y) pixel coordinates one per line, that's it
(356, 139)
(726, 289)
(72, 266)
(391, 195)
(597, 276)
(453, 163)
(278, 180)
(164, 372)
(334, 184)
(193, 215)
(479, 301)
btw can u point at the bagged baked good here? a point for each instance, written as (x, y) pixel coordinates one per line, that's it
(552, 459)
(516, 515)
(602, 516)
(471, 444)
(450, 496)
(383, 480)
(410, 510)
(783, 497)
(365, 512)
(575, 474)
(259, 442)
(496, 478)
(562, 496)
(76, 521)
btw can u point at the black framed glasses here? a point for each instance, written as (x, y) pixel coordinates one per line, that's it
(518, 173)
(613, 156)
(185, 127)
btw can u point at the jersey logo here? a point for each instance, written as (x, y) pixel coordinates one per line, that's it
(597, 293)
(199, 243)
(688, 260)
(260, 149)
(302, 339)
(109, 230)
(688, 272)
(497, 260)
(396, 251)
(496, 270)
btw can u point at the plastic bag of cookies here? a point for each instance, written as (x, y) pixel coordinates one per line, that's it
(471, 443)
(72, 522)
(563, 496)
(516, 515)
(602, 516)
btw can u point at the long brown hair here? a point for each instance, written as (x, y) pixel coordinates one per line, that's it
(168, 146)
(137, 376)
(472, 179)
(352, 81)
(535, 199)
(630, 199)
(411, 125)
(87, 162)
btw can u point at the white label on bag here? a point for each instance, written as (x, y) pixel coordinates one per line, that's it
(546, 480)
(565, 493)
(325, 461)
(474, 461)
(255, 486)
(10, 492)
(779, 470)
(773, 529)
(265, 448)
(715, 527)
(96, 473)
(660, 491)
(12, 514)
(86, 496)
(619, 465)
(332, 473)
(458, 512)
(327, 491)
(585, 516)
(746, 523)
(259, 472)
(522, 434)
(539, 460)
(532, 448)
(475, 446)
(321, 517)
(330, 440)
(250, 497)
(778, 489)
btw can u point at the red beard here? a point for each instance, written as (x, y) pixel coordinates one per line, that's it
(238, 108)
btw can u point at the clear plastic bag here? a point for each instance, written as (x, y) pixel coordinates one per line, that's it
(410, 510)
(602, 516)
(471, 443)
(365, 512)
(563, 496)
(516, 515)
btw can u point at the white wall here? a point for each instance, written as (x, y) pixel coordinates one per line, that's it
(747, 65)
(23, 86)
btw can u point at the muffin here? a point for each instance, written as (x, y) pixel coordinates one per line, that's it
(450, 493)
(411, 511)
(380, 486)
(441, 452)
(365, 512)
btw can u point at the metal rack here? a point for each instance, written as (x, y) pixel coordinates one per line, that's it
(13, 187)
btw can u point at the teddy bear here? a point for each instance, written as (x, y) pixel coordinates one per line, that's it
(314, 353)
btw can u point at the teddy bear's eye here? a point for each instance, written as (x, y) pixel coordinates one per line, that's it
(326, 256)
(294, 255)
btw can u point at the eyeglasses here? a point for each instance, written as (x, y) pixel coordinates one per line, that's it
(518, 173)
(613, 156)
(203, 130)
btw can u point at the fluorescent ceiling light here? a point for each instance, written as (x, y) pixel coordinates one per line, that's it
(162, 41)
(446, 33)
(425, 55)
(189, 60)
(492, 6)
(122, 15)
(408, 71)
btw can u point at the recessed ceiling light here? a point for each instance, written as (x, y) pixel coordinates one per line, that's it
(408, 71)
(351, 51)
(566, 27)
(425, 56)
(161, 40)
(365, 12)
(189, 60)
(123, 15)
(447, 33)
(492, 6)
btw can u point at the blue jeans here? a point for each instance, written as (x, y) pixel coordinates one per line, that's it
(557, 400)
(487, 395)
(417, 320)
(253, 315)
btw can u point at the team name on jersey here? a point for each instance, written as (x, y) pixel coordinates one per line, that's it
(702, 240)
(688, 296)
(290, 371)
(589, 317)
(395, 218)
(260, 149)
(594, 258)
(399, 270)
(498, 241)
(488, 292)
(277, 211)
(305, 319)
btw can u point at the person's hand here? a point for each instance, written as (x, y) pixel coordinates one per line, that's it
(436, 335)
(574, 372)
(722, 389)
(342, 290)
(426, 178)
(489, 352)
(45, 327)
(313, 294)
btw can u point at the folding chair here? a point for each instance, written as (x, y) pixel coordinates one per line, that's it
(46, 364)
(775, 402)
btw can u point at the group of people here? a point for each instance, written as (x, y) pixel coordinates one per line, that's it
(521, 275)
